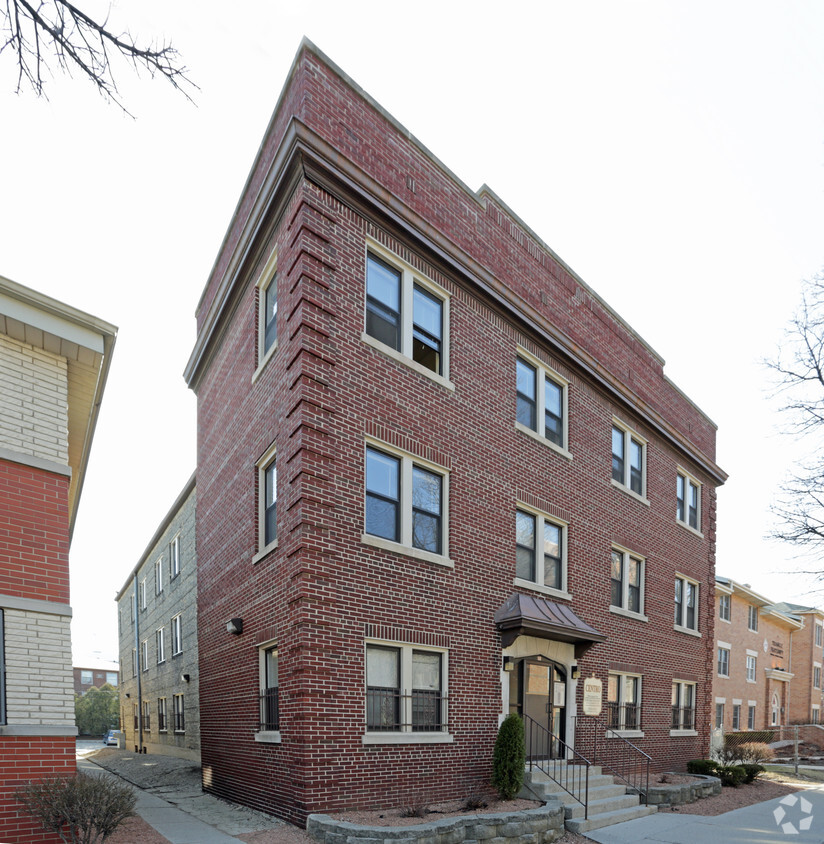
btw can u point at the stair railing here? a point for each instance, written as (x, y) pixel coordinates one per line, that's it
(549, 754)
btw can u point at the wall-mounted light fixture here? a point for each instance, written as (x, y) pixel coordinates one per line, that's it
(574, 672)
(509, 664)
(234, 625)
(128, 694)
(184, 678)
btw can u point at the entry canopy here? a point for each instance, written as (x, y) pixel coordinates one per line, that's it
(526, 615)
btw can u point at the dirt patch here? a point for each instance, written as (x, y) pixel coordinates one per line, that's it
(736, 798)
(137, 831)
(673, 779)
(434, 812)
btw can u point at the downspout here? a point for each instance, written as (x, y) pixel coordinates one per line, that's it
(139, 746)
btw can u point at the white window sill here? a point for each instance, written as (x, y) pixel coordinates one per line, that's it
(266, 358)
(544, 590)
(543, 440)
(725, 620)
(264, 552)
(751, 681)
(628, 613)
(407, 738)
(687, 630)
(406, 550)
(676, 733)
(629, 492)
(689, 528)
(723, 676)
(267, 736)
(400, 358)
(624, 734)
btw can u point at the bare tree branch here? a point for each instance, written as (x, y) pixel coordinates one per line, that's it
(32, 29)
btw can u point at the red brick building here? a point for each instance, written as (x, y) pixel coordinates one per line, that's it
(439, 480)
(53, 366)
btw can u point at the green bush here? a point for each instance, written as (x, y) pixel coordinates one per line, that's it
(702, 766)
(97, 711)
(81, 809)
(752, 771)
(732, 775)
(509, 758)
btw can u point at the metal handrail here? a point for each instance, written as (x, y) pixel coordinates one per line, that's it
(551, 760)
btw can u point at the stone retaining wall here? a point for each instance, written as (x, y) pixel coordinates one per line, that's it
(672, 794)
(531, 826)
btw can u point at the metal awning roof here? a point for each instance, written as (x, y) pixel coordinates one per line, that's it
(527, 615)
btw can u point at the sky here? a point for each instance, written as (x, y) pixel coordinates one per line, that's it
(671, 153)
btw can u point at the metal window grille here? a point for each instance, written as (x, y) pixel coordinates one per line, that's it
(269, 709)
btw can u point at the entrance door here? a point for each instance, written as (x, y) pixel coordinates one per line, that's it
(540, 692)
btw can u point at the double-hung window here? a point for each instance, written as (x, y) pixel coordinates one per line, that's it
(819, 635)
(267, 502)
(179, 714)
(134, 662)
(405, 502)
(267, 287)
(723, 660)
(406, 314)
(174, 557)
(177, 635)
(719, 715)
(752, 667)
(147, 715)
(628, 459)
(161, 715)
(816, 675)
(752, 618)
(683, 705)
(540, 551)
(143, 603)
(159, 576)
(686, 604)
(624, 702)
(736, 716)
(751, 716)
(724, 607)
(627, 581)
(405, 691)
(541, 401)
(688, 501)
(144, 654)
(160, 641)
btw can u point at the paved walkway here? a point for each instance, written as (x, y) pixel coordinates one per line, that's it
(797, 818)
(170, 799)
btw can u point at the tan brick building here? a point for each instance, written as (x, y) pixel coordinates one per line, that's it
(768, 660)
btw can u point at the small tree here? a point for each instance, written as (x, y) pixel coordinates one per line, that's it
(81, 809)
(509, 758)
(97, 711)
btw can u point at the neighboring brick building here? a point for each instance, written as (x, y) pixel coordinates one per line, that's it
(158, 643)
(54, 361)
(438, 478)
(99, 675)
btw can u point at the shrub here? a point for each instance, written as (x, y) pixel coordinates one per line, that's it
(509, 758)
(82, 809)
(706, 767)
(756, 752)
(415, 810)
(752, 771)
(732, 775)
(474, 801)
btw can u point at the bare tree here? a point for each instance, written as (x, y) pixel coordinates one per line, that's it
(55, 29)
(799, 368)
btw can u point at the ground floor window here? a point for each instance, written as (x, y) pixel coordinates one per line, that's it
(178, 714)
(683, 705)
(719, 716)
(161, 714)
(147, 715)
(751, 717)
(405, 689)
(136, 716)
(269, 695)
(816, 715)
(736, 716)
(624, 702)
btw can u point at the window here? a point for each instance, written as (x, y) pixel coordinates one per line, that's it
(269, 698)
(816, 714)
(683, 705)
(405, 502)
(159, 576)
(147, 715)
(628, 459)
(405, 689)
(269, 503)
(134, 662)
(174, 557)
(143, 594)
(161, 715)
(627, 578)
(724, 607)
(752, 618)
(86, 678)
(160, 640)
(624, 702)
(686, 604)
(406, 314)
(719, 716)
(751, 717)
(136, 713)
(723, 662)
(541, 401)
(267, 286)
(751, 668)
(2, 667)
(144, 654)
(112, 678)
(177, 635)
(688, 498)
(816, 676)
(819, 634)
(178, 714)
(540, 551)
(736, 716)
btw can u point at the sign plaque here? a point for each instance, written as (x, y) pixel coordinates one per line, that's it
(593, 695)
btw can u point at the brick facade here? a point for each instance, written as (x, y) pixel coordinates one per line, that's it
(101, 675)
(337, 179)
(53, 366)
(167, 574)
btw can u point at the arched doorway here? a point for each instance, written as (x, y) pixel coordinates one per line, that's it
(538, 692)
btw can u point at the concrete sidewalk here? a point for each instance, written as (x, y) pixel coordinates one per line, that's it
(797, 818)
(170, 798)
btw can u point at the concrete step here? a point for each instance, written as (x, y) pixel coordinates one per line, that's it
(580, 825)
(573, 809)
